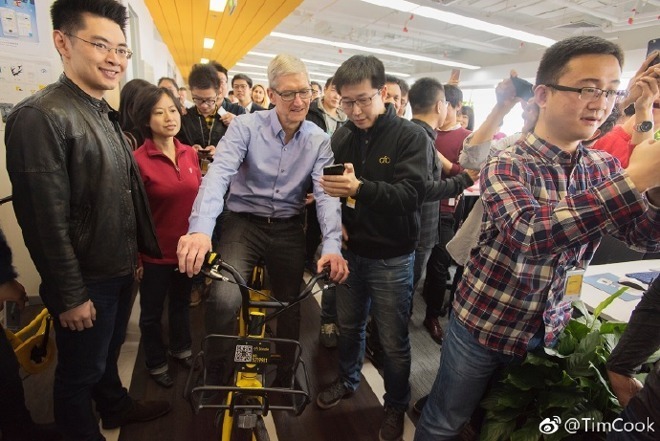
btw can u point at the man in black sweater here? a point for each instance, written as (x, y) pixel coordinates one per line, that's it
(382, 189)
(639, 342)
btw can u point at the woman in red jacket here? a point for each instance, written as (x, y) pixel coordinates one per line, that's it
(171, 175)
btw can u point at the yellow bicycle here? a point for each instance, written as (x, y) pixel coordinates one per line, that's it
(33, 345)
(248, 400)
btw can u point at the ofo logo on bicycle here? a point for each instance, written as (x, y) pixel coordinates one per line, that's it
(551, 425)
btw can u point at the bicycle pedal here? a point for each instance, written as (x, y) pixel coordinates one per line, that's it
(247, 421)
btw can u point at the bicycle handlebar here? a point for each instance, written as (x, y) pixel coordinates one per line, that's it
(213, 264)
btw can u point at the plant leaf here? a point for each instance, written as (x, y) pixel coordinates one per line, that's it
(528, 432)
(496, 430)
(605, 303)
(562, 398)
(537, 359)
(613, 328)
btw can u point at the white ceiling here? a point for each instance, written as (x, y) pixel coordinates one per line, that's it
(360, 23)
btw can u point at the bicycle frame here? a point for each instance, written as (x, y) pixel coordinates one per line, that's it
(247, 399)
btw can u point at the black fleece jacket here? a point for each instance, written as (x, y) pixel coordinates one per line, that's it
(391, 160)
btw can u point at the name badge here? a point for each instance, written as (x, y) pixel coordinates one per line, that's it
(573, 284)
(350, 202)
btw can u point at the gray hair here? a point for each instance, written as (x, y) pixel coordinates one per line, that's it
(284, 64)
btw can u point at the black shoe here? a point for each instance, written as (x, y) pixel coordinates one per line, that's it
(163, 379)
(392, 427)
(185, 362)
(419, 404)
(139, 412)
(333, 394)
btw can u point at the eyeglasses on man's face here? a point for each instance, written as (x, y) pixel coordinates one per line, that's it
(205, 101)
(347, 105)
(290, 95)
(592, 93)
(121, 51)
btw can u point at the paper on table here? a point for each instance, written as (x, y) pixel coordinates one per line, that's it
(609, 283)
(644, 277)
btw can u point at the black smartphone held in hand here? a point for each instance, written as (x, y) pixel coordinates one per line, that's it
(654, 45)
(333, 170)
(524, 89)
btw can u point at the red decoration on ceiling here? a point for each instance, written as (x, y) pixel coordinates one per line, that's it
(630, 21)
(405, 25)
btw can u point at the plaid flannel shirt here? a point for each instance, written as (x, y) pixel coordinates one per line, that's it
(545, 213)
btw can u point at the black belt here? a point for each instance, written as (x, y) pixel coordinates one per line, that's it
(269, 220)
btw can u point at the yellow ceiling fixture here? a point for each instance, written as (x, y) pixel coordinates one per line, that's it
(184, 24)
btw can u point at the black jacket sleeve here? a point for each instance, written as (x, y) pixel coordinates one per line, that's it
(642, 336)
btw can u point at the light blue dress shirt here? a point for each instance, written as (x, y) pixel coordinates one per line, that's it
(268, 177)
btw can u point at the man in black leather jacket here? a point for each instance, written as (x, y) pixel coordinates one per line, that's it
(81, 205)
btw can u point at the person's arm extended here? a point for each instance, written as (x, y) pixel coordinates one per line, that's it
(639, 341)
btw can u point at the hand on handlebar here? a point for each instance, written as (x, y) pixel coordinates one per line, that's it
(338, 271)
(191, 250)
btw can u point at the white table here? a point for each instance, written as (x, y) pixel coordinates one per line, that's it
(618, 310)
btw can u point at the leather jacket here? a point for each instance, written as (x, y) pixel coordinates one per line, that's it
(77, 192)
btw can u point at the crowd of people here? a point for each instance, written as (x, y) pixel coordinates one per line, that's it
(171, 177)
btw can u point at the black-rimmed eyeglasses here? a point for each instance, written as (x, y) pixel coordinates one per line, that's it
(290, 95)
(591, 93)
(121, 51)
(347, 105)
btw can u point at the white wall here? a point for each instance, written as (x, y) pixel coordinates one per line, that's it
(156, 62)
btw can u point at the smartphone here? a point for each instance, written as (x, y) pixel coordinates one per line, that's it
(654, 45)
(524, 89)
(335, 169)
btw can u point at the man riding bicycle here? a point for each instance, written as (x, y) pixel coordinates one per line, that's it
(270, 158)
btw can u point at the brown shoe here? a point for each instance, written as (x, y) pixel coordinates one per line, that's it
(435, 330)
(139, 412)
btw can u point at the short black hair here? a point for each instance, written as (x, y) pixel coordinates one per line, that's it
(469, 112)
(424, 94)
(453, 95)
(329, 81)
(556, 57)
(67, 15)
(219, 67)
(127, 101)
(204, 76)
(392, 79)
(171, 80)
(316, 83)
(359, 68)
(147, 98)
(241, 76)
(405, 88)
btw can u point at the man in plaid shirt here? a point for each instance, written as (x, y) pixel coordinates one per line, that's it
(547, 202)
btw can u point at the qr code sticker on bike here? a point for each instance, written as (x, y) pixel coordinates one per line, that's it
(243, 354)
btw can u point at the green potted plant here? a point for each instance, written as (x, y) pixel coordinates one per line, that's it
(534, 399)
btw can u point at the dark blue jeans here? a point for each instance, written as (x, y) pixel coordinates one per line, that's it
(384, 288)
(466, 369)
(242, 244)
(159, 282)
(87, 363)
